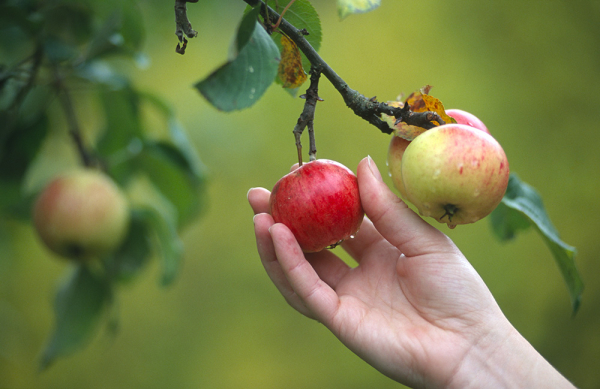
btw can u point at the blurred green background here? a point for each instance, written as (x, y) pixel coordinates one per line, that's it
(529, 70)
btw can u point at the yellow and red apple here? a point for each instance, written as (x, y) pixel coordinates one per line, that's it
(81, 214)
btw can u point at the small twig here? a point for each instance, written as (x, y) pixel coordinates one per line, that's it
(182, 24)
(74, 130)
(307, 116)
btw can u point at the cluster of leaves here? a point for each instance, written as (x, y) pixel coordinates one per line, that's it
(50, 49)
(258, 59)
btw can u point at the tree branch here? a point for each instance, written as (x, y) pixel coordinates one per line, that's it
(367, 108)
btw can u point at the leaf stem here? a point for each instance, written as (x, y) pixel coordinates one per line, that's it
(74, 129)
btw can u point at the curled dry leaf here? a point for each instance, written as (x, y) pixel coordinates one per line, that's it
(419, 101)
(290, 71)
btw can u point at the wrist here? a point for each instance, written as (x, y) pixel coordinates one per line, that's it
(504, 359)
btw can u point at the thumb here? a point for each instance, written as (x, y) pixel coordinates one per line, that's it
(394, 220)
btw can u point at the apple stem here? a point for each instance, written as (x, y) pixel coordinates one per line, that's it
(451, 210)
(312, 151)
(298, 146)
(307, 116)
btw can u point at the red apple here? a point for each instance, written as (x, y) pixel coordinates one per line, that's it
(466, 118)
(319, 202)
(81, 214)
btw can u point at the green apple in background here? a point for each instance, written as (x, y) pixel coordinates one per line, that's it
(81, 214)
(454, 173)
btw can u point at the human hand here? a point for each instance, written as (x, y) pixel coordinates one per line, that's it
(414, 307)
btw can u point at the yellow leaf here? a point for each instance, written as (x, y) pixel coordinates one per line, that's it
(435, 105)
(290, 70)
(418, 101)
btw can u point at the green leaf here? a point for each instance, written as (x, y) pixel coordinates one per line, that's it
(101, 72)
(172, 173)
(78, 307)
(178, 135)
(348, 7)
(132, 29)
(122, 116)
(123, 133)
(121, 32)
(240, 82)
(21, 146)
(301, 15)
(522, 204)
(507, 221)
(169, 245)
(134, 253)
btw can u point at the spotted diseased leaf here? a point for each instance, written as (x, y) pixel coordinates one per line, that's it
(422, 101)
(419, 101)
(302, 15)
(290, 72)
(348, 7)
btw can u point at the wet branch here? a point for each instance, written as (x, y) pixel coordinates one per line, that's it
(367, 108)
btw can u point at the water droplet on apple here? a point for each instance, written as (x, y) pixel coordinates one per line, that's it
(476, 192)
(351, 236)
(436, 174)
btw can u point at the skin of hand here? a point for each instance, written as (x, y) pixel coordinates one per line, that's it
(414, 307)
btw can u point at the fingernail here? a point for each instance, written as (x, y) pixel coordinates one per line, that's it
(374, 169)
(249, 190)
